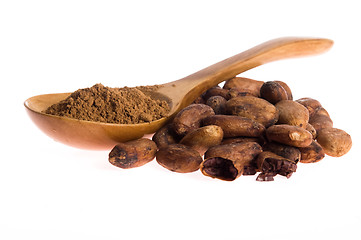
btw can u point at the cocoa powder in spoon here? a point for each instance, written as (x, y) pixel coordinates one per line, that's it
(111, 105)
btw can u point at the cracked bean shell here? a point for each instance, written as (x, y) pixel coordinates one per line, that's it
(228, 161)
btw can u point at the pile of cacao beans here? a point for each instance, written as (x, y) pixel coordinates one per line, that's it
(243, 128)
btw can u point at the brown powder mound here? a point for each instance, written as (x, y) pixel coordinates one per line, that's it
(111, 105)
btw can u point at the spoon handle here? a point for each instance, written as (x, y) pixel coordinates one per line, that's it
(281, 48)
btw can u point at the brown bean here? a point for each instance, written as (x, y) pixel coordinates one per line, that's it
(234, 126)
(273, 92)
(287, 88)
(312, 130)
(179, 158)
(189, 118)
(260, 140)
(254, 108)
(292, 113)
(199, 100)
(312, 153)
(227, 162)
(203, 138)
(215, 91)
(221, 168)
(311, 104)
(289, 135)
(165, 136)
(335, 142)
(251, 85)
(133, 153)
(320, 121)
(322, 111)
(217, 103)
(243, 151)
(286, 151)
(240, 92)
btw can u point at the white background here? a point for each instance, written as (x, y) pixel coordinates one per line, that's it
(52, 191)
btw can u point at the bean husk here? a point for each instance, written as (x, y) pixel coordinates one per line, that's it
(227, 162)
(271, 164)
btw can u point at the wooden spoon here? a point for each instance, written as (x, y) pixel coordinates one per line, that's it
(180, 93)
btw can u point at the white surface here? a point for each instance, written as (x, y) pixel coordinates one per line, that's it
(51, 191)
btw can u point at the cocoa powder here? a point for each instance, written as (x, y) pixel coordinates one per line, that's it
(111, 105)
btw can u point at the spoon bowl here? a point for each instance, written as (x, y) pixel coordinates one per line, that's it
(179, 94)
